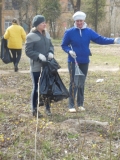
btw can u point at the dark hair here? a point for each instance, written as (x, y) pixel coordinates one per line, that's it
(15, 21)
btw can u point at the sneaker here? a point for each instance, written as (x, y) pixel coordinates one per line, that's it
(35, 114)
(81, 108)
(72, 110)
(48, 112)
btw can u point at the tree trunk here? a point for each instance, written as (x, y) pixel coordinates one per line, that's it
(76, 7)
(0, 18)
(96, 17)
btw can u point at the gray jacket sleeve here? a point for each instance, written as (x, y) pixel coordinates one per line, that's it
(29, 45)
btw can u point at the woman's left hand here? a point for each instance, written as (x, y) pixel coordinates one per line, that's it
(50, 55)
(117, 40)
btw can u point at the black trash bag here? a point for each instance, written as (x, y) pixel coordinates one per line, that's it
(5, 53)
(51, 85)
(52, 65)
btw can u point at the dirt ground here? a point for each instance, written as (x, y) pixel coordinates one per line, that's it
(90, 135)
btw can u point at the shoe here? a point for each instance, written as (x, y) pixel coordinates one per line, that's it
(41, 104)
(81, 108)
(35, 114)
(72, 110)
(48, 112)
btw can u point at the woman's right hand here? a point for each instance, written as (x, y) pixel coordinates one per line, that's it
(42, 57)
(72, 53)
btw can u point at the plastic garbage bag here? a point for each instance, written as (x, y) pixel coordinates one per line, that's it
(53, 65)
(99, 80)
(5, 53)
(51, 85)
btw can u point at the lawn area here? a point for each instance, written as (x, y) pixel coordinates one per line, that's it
(90, 135)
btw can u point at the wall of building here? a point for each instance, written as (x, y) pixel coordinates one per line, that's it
(7, 16)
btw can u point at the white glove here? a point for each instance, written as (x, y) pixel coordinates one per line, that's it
(117, 40)
(73, 54)
(50, 56)
(42, 57)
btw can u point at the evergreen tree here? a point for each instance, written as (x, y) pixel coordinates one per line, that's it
(51, 10)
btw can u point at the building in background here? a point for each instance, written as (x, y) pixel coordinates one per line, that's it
(109, 26)
(9, 11)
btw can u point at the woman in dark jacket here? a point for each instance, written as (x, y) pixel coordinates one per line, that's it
(38, 46)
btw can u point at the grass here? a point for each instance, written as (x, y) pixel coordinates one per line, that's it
(55, 139)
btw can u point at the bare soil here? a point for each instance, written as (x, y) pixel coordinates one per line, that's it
(90, 135)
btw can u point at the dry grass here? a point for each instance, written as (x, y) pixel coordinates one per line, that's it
(54, 140)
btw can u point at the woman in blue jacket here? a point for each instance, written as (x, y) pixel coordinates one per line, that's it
(76, 43)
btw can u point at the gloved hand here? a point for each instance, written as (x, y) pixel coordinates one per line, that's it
(50, 55)
(117, 40)
(73, 54)
(42, 57)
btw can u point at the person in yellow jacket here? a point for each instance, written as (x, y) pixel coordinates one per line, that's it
(15, 35)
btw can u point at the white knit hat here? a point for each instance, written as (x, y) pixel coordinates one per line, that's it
(79, 16)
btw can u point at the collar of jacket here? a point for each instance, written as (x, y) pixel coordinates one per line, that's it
(84, 26)
(14, 24)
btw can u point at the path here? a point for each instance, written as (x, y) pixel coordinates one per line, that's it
(91, 68)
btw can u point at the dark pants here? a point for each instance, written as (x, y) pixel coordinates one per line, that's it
(34, 96)
(76, 90)
(16, 54)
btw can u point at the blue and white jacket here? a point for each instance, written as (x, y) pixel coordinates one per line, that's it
(78, 40)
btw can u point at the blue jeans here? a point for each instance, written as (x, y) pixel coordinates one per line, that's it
(34, 96)
(76, 90)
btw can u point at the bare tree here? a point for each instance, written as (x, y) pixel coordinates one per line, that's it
(76, 5)
(96, 17)
(52, 11)
(95, 11)
(27, 9)
(1, 17)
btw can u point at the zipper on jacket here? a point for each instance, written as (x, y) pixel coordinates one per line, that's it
(45, 43)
